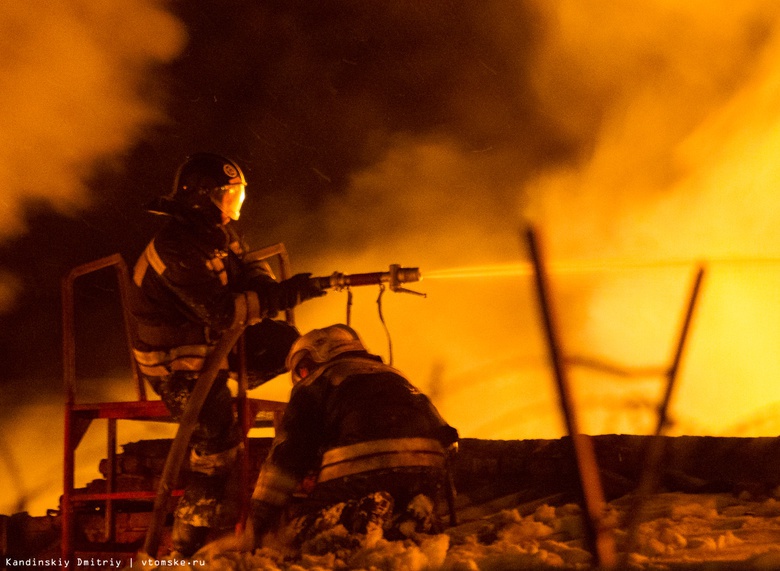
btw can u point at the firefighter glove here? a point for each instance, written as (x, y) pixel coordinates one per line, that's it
(275, 297)
(298, 289)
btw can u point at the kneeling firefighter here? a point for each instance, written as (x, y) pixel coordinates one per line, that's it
(376, 446)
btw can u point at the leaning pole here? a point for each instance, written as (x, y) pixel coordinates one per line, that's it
(599, 537)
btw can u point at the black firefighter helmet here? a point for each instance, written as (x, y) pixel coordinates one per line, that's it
(202, 181)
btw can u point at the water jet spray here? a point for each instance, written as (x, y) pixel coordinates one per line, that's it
(582, 266)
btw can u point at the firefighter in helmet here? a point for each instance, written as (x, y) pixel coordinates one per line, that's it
(192, 282)
(376, 447)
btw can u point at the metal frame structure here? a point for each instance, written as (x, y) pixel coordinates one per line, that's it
(79, 415)
(600, 538)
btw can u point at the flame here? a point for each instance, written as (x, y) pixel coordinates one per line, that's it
(683, 101)
(673, 112)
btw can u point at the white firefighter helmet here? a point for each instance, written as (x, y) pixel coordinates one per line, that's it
(320, 346)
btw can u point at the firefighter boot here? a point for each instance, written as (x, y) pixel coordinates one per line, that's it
(186, 539)
(372, 512)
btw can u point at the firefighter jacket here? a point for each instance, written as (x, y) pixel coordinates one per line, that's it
(353, 415)
(191, 284)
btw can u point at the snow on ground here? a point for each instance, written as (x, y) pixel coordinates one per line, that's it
(677, 531)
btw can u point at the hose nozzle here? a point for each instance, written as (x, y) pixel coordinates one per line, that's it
(394, 277)
(399, 275)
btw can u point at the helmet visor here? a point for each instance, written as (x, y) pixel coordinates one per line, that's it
(229, 199)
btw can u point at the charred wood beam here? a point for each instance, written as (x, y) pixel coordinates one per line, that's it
(600, 538)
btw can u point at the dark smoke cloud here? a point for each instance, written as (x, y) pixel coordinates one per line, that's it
(76, 93)
(309, 95)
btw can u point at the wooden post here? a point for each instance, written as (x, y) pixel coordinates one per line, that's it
(653, 454)
(600, 538)
(110, 513)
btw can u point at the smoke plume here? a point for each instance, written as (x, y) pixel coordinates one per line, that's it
(75, 93)
(684, 169)
(671, 117)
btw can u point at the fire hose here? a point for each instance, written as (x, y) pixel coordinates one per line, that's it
(393, 278)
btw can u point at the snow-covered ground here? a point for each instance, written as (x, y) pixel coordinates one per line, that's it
(720, 531)
(678, 531)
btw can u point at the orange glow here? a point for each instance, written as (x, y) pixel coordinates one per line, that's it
(578, 266)
(476, 345)
(74, 93)
(675, 110)
(683, 170)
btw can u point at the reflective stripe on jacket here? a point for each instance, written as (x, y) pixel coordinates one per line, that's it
(379, 455)
(184, 358)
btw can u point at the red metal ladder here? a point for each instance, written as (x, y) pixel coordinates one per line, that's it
(79, 415)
